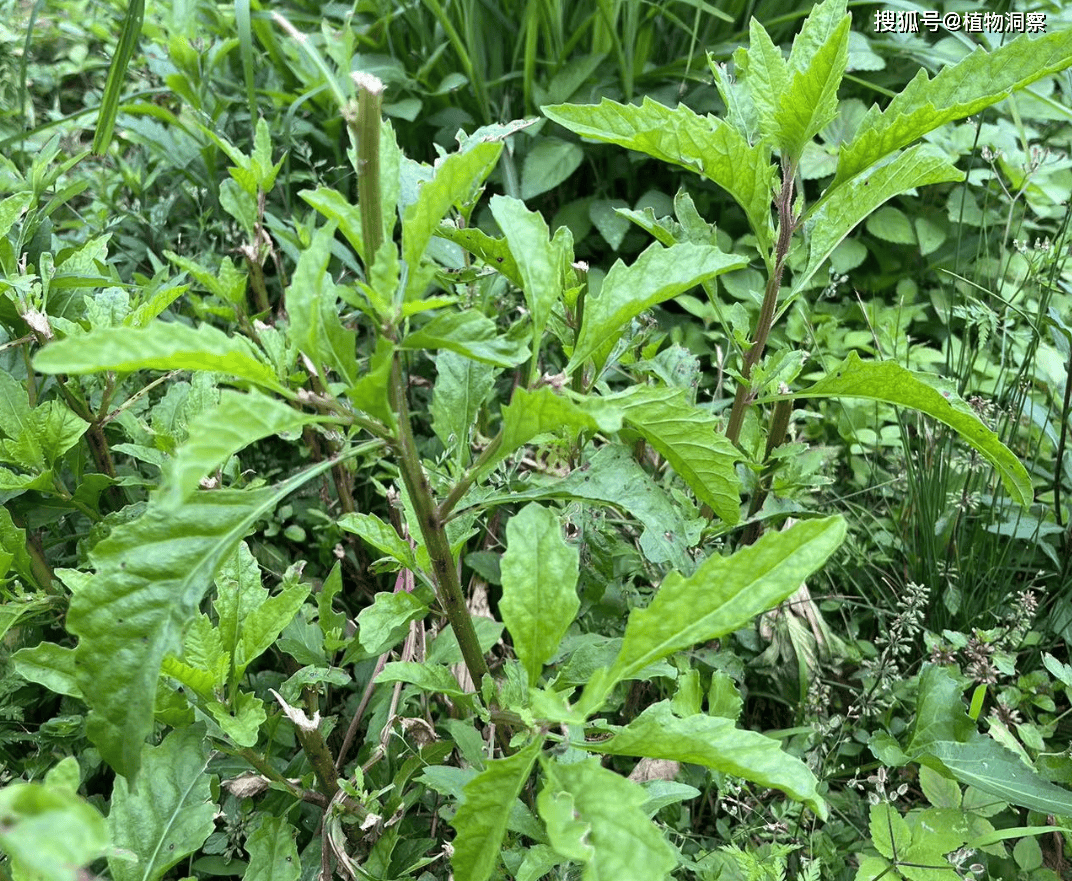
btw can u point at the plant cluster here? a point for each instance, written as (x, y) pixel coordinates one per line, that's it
(357, 520)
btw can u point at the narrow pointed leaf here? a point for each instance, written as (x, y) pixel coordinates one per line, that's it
(539, 580)
(977, 81)
(894, 384)
(724, 594)
(658, 274)
(455, 179)
(215, 435)
(706, 145)
(715, 742)
(159, 346)
(847, 205)
(482, 817)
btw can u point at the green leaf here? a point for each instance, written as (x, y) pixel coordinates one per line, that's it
(482, 817)
(228, 283)
(959, 90)
(724, 594)
(237, 421)
(11, 209)
(48, 832)
(494, 252)
(340, 211)
(550, 162)
(817, 64)
(889, 831)
(706, 145)
(312, 304)
(386, 621)
(594, 817)
(117, 71)
(455, 179)
(461, 387)
(170, 814)
(160, 346)
(151, 574)
(539, 581)
(433, 678)
(889, 382)
(658, 274)
(766, 71)
(262, 625)
(470, 334)
(273, 852)
(49, 665)
(714, 742)
(240, 720)
(843, 207)
(538, 260)
(380, 535)
(687, 438)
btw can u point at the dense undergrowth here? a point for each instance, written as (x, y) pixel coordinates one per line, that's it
(492, 464)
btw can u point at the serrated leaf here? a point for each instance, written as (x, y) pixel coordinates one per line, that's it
(957, 91)
(228, 283)
(843, 207)
(714, 742)
(706, 145)
(494, 252)
(539, 581)
(725, 593)
(237, 421)
(894, 384)
(470, 334)
(482, 817)
(159, 346)
(312, 304)
(594, 817)
(261, 626)
(687, 438)
(889, 831)
(766, 71)
(170, 814)
(658, 274)
(455, 179)
(339, 210)
(273, 853)
(240, 720)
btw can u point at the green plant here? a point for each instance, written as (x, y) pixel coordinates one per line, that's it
(282, 682)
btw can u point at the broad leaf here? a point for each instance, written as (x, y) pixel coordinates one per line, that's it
(977, 81)
(159, 346)
(724, 594)
(169, 814)
(706, 145)
(151, 575)
(714, 742)
(539, 581)
(482, 817)
(594, 817)
(215, 435)
(894, 384)
(49, 665)
(471, 334)
(48, 832)
(273, 853)
(433, 678)
(658, 274)
(687, 438)
(843, 207)
(461, 387)
(385, 622)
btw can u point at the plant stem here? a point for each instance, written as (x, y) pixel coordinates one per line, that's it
(448, 587)
(786, 225)
(462, 486)
(365, 132)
